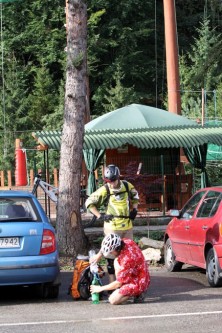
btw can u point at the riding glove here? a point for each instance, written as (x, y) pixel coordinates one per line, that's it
(133, 214)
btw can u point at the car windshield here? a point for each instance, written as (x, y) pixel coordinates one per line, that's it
(21, 209)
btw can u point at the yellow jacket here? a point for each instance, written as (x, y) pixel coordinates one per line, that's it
(118, 204)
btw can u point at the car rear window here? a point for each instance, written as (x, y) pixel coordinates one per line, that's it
(22, 209)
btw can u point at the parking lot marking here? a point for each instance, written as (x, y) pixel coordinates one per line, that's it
(167, 315)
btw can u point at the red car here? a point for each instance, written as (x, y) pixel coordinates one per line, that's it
(194, 235)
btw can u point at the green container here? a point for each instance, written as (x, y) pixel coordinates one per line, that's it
(95, 296)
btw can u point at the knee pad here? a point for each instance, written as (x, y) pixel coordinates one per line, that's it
(110, 266)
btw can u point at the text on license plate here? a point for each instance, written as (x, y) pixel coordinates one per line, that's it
(9, 242)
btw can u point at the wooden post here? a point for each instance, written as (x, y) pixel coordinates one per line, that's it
(32, 177)
(55, 174)
(9, 176)
(2, 178)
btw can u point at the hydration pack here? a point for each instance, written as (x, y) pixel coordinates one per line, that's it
(109, 194)
(82, 279)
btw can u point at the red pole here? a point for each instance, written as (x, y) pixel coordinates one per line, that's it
(20, 164)
(173, 83)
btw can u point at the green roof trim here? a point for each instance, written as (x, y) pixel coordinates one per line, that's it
(173, 137)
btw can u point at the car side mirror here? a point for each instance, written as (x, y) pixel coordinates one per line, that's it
(174, 212)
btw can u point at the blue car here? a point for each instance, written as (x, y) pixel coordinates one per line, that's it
(28, 247)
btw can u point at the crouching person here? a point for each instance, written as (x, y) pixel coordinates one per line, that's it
(131, 269)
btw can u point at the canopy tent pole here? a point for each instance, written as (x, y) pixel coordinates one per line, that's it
(202, 115)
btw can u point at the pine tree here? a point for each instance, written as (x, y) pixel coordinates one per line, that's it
(201, 69)
(70, 232)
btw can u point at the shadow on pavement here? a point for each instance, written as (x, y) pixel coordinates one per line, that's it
(189, 284)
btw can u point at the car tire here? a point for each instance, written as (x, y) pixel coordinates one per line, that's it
(46, 291)
(171, 264)
(212, 269)
(40, 291)
(53, 291)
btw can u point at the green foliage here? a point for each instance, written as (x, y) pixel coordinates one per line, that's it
(35, 161)
(126, 62)
(201, 69)
(156, 235)
(214, 171)
(117, 95)
(43, 98)
(32, 70)
(204, 57)
(54, 120)
(122, 43)
(217, 110)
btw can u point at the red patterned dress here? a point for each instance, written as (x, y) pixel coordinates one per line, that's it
(133, 273)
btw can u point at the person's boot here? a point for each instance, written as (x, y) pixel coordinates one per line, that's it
(139, 299)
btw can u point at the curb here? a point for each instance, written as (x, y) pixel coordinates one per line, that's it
(94, 233)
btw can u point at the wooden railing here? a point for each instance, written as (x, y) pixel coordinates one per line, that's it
(7, 179)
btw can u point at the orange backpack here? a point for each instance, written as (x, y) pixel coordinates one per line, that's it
(82, 279)
(79, 270)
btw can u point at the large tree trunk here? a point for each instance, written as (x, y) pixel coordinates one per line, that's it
(71, 237)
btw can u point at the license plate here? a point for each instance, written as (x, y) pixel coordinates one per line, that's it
(8, 242)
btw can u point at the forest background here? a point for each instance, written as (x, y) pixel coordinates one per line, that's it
(126, 63)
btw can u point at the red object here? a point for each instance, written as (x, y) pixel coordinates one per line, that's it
(173, 81)
(133, 271)
(48, 242)
(194, 235)
(20, 168)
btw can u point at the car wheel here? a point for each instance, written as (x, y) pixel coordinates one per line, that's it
(40, 291)
(212, 270)
(46, 291)
(53, 291)
(169, 258)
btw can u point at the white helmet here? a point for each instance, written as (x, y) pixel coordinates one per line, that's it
(110, 243)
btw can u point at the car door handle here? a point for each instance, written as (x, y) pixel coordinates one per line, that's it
(187, 227)
(204, 227)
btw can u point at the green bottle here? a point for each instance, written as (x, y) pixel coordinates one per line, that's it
(95, 296)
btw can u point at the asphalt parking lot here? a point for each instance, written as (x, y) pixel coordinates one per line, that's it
(175, 302)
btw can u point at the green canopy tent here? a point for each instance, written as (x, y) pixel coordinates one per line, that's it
(137, 116)
(143, 127)
(130, 117)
